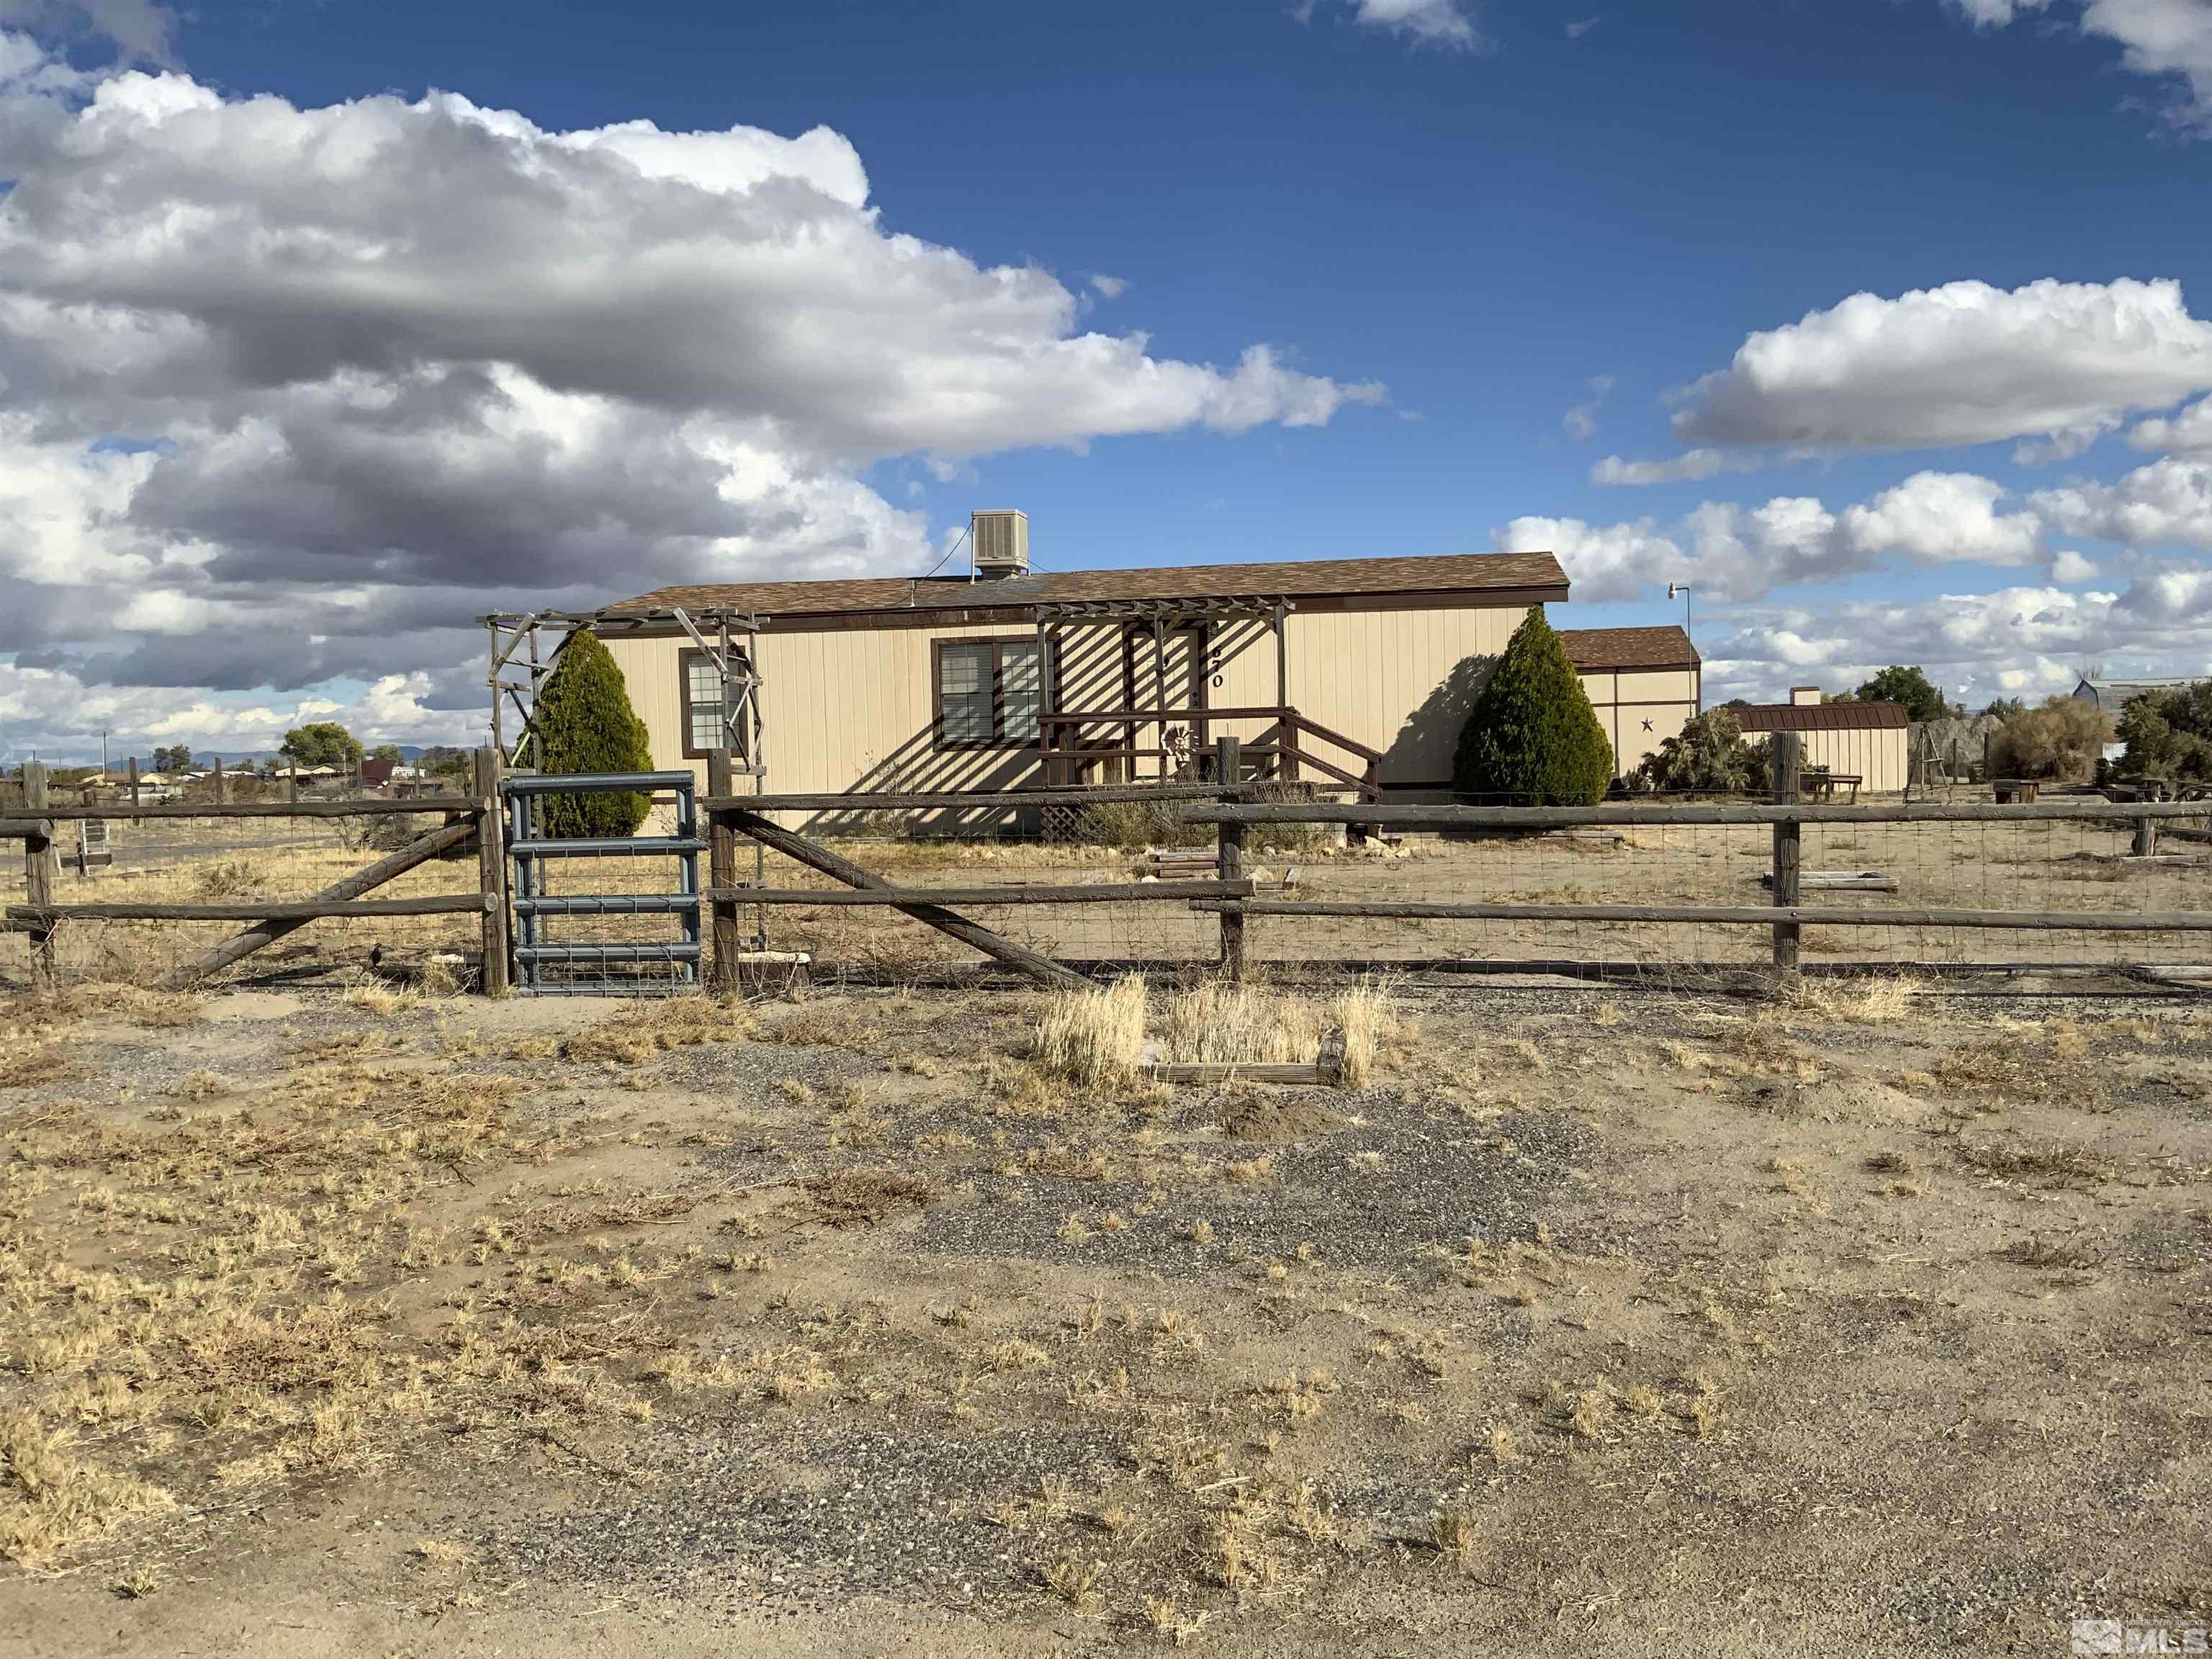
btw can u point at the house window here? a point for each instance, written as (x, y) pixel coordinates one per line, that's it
(989, 693)
(703, 728)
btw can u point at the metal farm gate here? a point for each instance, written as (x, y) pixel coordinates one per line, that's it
(574, 966)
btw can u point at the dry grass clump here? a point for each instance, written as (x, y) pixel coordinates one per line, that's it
(1367, 1015)
(863, 1197)
(228, 879)
(830, 1022)
(1094, 1037)
(2065, 1253)
(50, 1501)
(1882, 1001)
(207, 1298)
(638, 1034)
(1453, 1532)
(1243, 1024)
(2060, 1165)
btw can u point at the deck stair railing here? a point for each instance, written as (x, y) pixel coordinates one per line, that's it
(1291, 748)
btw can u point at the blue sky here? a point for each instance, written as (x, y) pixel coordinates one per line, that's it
(1493, 218)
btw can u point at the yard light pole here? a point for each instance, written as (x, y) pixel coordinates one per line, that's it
(1681, 590)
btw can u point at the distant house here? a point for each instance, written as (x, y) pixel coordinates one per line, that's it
(2112, 695)
(1867, 740)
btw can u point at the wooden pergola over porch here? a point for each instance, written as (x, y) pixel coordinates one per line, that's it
(1064, 756)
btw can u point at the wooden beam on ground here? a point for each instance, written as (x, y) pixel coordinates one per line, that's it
(294, 910)
(420, 850)
(1042, 969)
(1222, 1070)
(1061, 892)
(1884, 916)
(1840, 881)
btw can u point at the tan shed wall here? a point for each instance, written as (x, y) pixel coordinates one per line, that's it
(1878, 756)
(1623, 698)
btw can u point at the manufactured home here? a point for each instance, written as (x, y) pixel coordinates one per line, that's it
(1864, 740)
(1352, 674)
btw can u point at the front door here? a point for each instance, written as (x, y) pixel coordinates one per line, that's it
(1171, 676)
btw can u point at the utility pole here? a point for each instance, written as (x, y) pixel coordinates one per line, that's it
(1681, 590)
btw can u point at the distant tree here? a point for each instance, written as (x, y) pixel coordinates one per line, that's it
(176, 758)
(587, 725)
(442, 760)
(2062, 741)
(2003, 708)
(321, 743)
(2168, 733)
(1909, 686)
(1531, 737)
(385, 751)
(1711, 757)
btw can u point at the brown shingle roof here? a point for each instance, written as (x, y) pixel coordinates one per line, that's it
(1595, 648)
(1821, 717)
(1310, 578)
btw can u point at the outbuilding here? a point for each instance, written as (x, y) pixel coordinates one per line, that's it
(1865, 740)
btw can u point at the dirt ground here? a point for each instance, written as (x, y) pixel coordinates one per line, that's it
(1868, 1321)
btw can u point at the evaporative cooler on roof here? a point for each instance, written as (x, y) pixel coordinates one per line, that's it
(1002, 543)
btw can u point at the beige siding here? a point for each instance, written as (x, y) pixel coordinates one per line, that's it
(1626, 698)
(855, 709)
(1398, 681)
(1876, 756)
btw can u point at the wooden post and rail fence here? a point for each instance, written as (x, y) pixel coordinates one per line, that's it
(474, 821)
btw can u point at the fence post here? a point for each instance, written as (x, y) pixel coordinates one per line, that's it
(2146, 838)
(1787, 751)
(491, 871)
(134, 779)
(292, 778)
(1228, 856)
(721, 873)
(38, 872)
(218, 782)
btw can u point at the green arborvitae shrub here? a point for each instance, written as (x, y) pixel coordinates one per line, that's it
(1531, 737)
(587, 725)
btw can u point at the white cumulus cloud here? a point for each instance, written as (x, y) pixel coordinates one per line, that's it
(2170, 40)
(2188, 432)
(2167, 501)
(1965, 363)
(1448, 23)
(298, 390)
